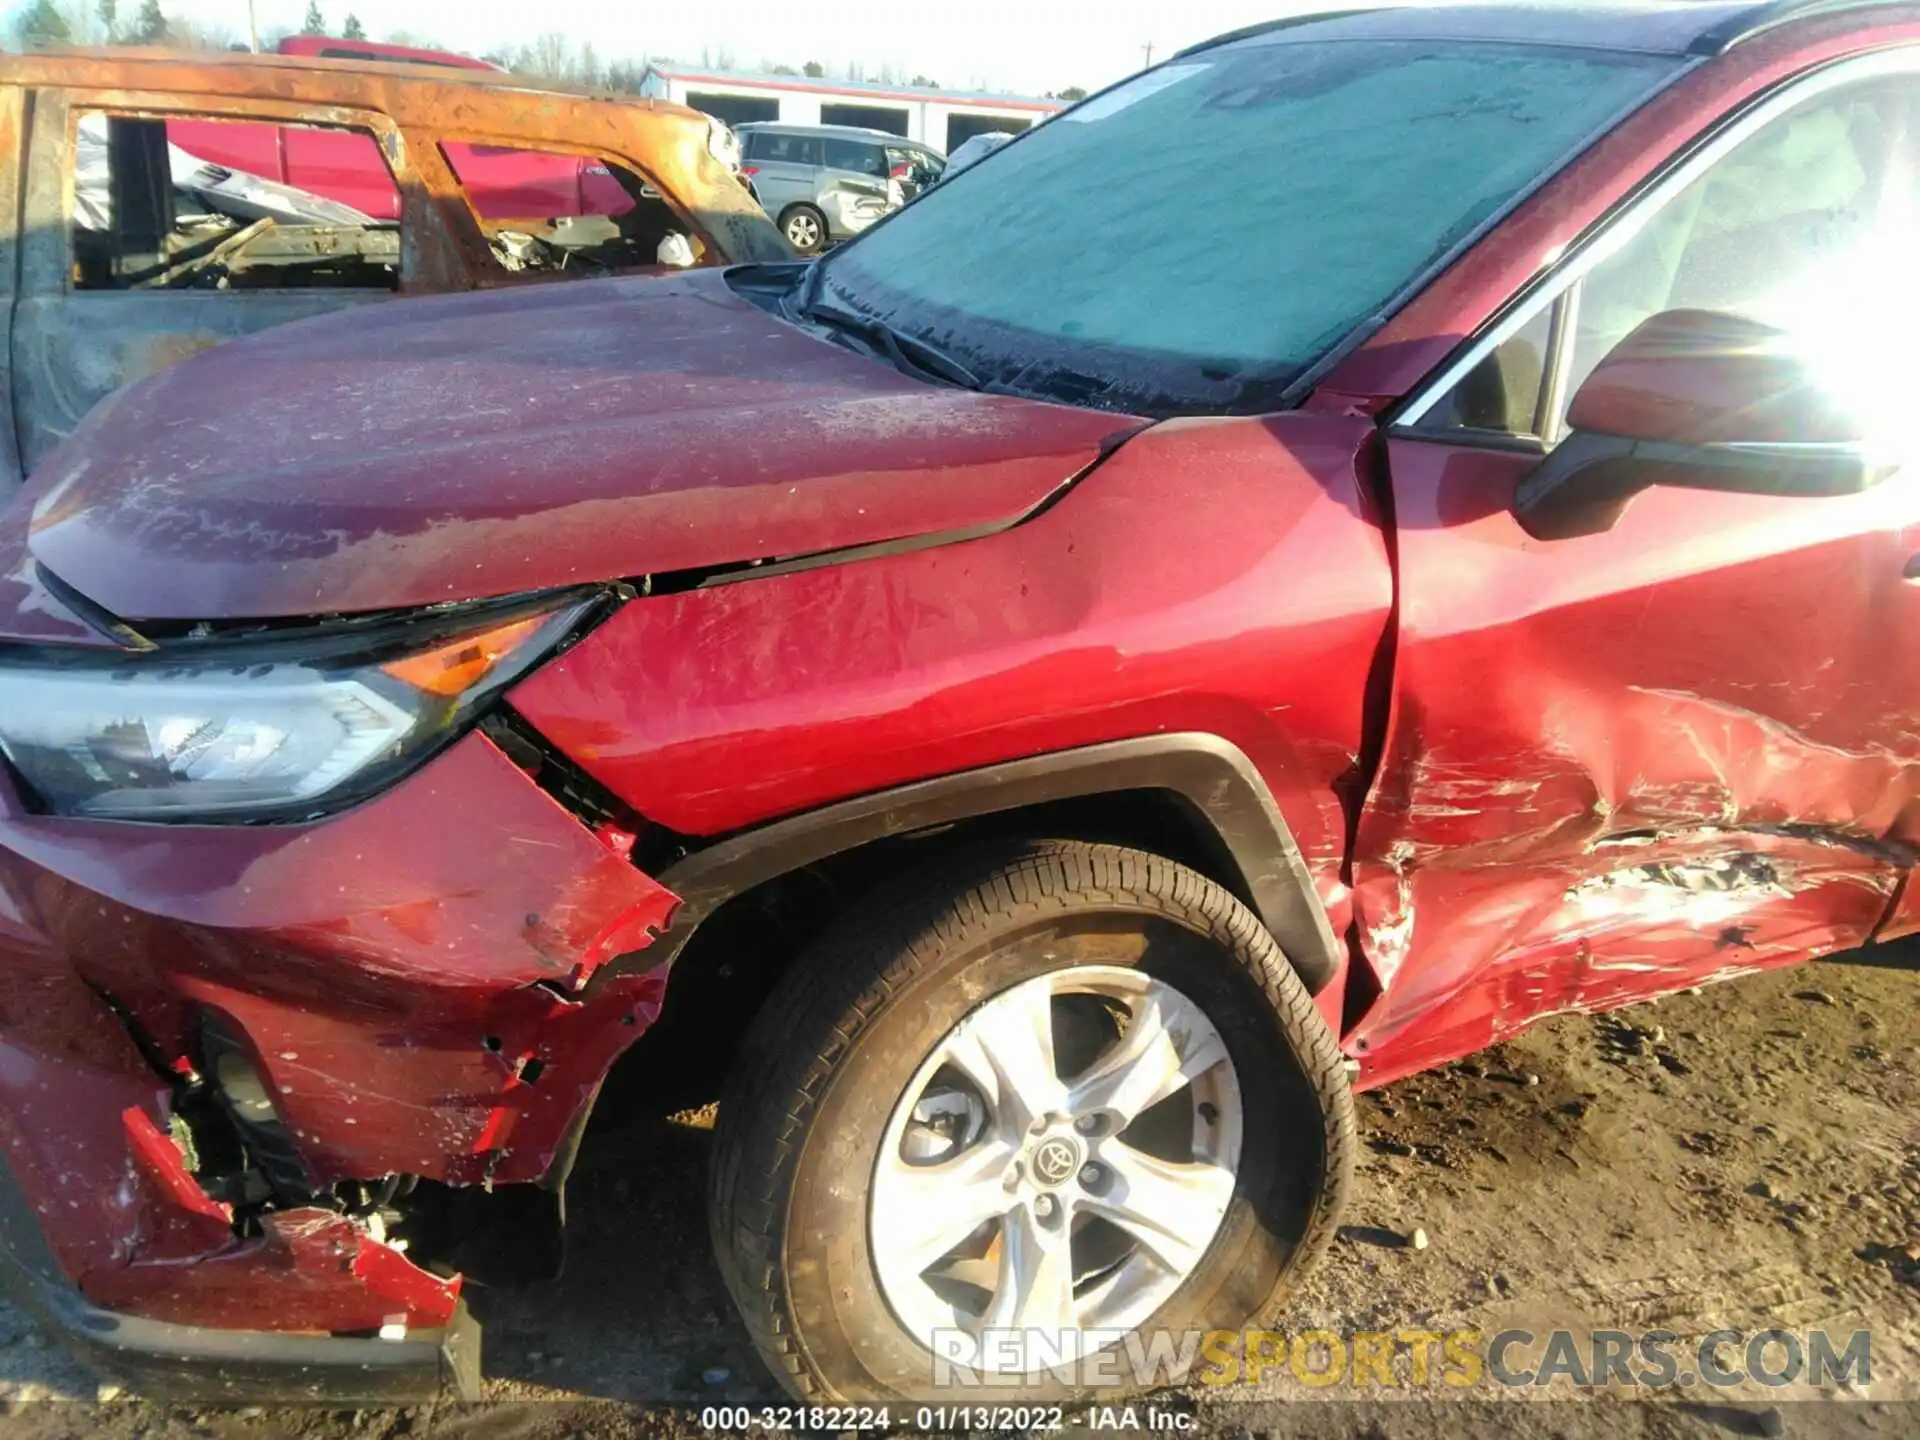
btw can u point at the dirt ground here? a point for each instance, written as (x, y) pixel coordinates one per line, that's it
(1747, 1157)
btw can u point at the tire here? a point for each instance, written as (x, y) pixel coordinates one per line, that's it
(831, 1067)
(805, 228)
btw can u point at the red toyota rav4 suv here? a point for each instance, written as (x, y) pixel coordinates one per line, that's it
(1165, 643)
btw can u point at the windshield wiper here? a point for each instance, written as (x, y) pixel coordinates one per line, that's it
(903, 351)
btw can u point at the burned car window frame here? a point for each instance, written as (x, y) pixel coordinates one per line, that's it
(78, 110)
(650, 191)
(48, 251)
(443, 249)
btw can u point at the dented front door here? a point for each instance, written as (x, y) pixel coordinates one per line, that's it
(1688, 746)
(1626, 762)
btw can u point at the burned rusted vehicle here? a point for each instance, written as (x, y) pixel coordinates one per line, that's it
(388, 180)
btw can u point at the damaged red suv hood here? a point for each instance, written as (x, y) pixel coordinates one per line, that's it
(466, 446)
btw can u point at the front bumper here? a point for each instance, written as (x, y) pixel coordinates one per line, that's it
(166, 1361)
(410, 982)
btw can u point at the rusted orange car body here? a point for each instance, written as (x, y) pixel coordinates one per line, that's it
(70, 344)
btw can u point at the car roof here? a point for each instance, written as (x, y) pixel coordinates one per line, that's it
(242, 71)
(857, 132)
(1667, 27)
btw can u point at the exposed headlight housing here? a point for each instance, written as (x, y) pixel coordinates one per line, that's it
(277, 727)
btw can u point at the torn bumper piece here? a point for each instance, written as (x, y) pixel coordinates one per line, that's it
(170, 1361)
(407, 983)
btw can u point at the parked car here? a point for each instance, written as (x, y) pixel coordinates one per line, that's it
(822, 183)
(973, 150)
(915, 166)
(1083, 691)
(135, 250)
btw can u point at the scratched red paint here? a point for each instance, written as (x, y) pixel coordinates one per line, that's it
(369, 1001)
(312, 1270)
(655, 425)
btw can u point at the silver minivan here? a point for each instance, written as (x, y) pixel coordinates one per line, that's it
(822, 183)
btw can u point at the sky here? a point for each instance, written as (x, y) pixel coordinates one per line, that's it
(1029, 46)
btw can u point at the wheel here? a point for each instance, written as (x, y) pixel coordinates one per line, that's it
(1013, 1112)
(805, 228)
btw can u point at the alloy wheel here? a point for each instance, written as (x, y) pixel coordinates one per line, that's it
(1058, 1166)
(803, 231)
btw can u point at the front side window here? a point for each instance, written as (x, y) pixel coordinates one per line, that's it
(1810, 217)
(1203, 234)
(1807, 224)
(856, 155)
(1502, 393)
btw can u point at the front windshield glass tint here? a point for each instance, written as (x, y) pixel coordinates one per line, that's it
(1194, 239)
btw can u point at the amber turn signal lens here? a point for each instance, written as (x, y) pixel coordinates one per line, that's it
(456, 667)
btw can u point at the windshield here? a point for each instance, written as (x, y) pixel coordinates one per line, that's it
(1198, 237)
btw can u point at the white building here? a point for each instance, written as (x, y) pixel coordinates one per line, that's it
(940, 118)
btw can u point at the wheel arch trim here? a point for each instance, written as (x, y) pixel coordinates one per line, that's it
(1213, 775)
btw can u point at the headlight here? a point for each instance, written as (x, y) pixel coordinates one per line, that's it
(263, 728)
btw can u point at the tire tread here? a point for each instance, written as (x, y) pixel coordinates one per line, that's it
(876, 952)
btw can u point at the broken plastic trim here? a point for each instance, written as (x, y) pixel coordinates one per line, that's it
(95, 616)
(578, 793)
(236, 1087)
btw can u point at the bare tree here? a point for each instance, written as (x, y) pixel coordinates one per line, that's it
(199, 35)
(626, 75)
(549, 57)
(150, 26)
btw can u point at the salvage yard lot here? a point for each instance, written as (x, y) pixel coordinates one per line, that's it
(1746, 1157)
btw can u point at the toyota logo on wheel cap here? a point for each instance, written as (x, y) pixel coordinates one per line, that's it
(1055, 1160)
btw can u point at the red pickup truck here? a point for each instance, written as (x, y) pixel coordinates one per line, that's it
(504, 183)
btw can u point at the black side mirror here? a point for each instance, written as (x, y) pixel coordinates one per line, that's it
(1698, 399)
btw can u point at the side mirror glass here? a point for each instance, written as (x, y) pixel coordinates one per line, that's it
(1698, 399)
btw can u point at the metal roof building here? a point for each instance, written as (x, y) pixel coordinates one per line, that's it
(940, 118)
